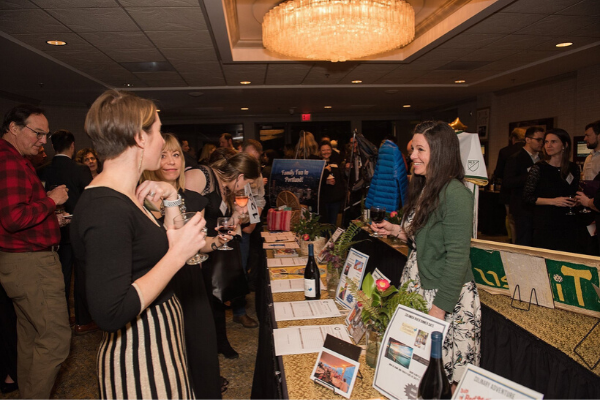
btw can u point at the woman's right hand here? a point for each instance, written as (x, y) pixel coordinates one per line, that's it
(186, 241)
(383, 228)
(564, 202)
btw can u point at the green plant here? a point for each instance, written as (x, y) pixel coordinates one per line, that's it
(336, 253)
(309, 227)
(379, 301)
(395, 217)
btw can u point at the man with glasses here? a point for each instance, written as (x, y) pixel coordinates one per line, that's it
(515, 175)
(30, 270)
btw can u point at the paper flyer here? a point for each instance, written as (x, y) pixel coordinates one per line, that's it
(354, 269)
(305, 339)
(308, 309)
(337, 366)
(477, 383)
(336, 235)
(405, 352)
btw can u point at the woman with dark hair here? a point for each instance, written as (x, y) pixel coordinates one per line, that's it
(128, 258)
(228, 172)
(438, 224)
(332, 185)
(89, 157)
(551, 186)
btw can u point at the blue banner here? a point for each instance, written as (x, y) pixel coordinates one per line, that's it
(301, 177)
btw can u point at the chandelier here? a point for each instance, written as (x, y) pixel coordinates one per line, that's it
(338, 30)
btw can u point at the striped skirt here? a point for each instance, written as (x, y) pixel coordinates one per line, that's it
(146, 359)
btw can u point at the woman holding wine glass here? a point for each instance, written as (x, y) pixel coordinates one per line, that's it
(188, 284)
(438, 226)
(228, 172)
(551, 186)
(128, 258)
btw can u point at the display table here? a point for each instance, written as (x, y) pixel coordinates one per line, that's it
(492, 214)
(533, 348)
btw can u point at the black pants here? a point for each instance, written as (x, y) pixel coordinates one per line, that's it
(8, 337)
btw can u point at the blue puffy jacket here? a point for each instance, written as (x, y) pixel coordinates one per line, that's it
(390, 181)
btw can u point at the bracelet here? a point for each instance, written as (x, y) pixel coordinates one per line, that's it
(172, 203)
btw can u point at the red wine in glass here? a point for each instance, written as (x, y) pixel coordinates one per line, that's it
(377, 216)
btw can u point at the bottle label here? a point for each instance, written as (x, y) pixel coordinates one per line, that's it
(310, 289)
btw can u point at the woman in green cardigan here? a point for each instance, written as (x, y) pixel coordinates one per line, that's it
(437, 225)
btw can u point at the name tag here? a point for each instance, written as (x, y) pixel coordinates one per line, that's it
(570, 179)
(223, 207)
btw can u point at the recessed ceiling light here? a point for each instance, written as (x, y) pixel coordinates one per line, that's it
(460, 81)
(195, 94)
(327, 107)
(391, 91)
(245, 82)
(128, 84)
(56, 42)
(565, 44)
(244, 108)
(356, 81)
(406, 106)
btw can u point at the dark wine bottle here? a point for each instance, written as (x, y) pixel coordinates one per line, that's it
(312, 278)
(434, 384)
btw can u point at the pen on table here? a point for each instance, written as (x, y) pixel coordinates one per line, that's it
(278, 245)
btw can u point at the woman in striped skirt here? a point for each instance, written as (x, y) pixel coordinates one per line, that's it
(128, 259)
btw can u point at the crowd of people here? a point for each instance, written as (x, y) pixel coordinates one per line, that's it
(550, 201)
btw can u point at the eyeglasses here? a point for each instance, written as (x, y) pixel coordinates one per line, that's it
(40, 135)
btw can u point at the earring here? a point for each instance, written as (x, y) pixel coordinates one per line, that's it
(141, 159)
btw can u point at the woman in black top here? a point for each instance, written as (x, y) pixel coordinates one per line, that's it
(128, 259)
(332, 185)
(188, 284)
(549, 185)
(228, 172)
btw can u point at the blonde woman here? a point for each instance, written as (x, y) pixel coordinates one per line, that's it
(307, 147)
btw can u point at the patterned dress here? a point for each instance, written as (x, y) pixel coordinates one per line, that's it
(462, 343)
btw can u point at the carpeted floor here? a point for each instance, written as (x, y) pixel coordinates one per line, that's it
(77, 377)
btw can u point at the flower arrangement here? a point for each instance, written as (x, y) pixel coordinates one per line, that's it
(379, 300)
(395, 217)
(336, 253)
(309, 228)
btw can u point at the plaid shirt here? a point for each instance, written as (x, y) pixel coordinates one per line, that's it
(27, 219)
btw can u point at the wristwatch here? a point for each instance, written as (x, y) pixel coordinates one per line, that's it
(172, 203)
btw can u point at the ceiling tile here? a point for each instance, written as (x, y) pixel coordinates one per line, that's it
(505, 23)
(29, 21)
(539, 6)
(438, 78)
(550, 44)
(168, 18)
(487, 54)
(592, 31)
(586, 7)
(192, 55)
(38, 41)
(329, 73)
(203, 79)
(159, 3)
(370, 73)
(118, 40)
(517, 42)
(95, 19)
(161, 79)
(16, 4)
(47, 4)
(236, 73)
(287, 73)
(399, 76)
(471, 41)
(134, 55)
(197, 39)
(190, 67)
(553, 25)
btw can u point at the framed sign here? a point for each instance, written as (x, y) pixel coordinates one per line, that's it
(544, 123)
(483, 123)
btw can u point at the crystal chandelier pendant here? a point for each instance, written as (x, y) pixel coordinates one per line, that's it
(338, 30)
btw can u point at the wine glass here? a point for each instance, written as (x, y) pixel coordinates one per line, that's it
(377, 216)
(241, 198)
(224, 225)
(570, 212)
(179, 221)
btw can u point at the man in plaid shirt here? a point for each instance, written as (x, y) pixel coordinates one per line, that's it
(30, 270)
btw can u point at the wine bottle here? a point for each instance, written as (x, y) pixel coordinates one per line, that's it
(434, 384)
(312, 278)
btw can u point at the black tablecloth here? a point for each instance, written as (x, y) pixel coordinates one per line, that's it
(492, 214)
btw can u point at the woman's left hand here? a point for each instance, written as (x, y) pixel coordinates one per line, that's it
(583, 199)
(437, 312)
(155, 191)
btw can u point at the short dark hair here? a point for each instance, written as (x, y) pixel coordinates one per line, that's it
(252, 143)
(595, 127)
(62, 140)
(532, 130)
(19, 115)
(227, 136)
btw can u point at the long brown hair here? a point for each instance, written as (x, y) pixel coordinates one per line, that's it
(565, 138)
(228, 165)
(444, 165)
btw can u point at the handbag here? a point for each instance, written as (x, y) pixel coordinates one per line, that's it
(224, 271)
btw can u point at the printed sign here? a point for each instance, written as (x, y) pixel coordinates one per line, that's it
(301, 177)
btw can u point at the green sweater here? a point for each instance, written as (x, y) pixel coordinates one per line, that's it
(444, 244)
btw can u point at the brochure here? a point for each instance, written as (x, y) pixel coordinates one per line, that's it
(354, 269)
(337, 366)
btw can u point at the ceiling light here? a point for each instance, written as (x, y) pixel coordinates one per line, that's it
(327, 107)
(460, 81)
(565, 44)
(244, 108)
(406, 106)
(128, 84)
(245, 82)
(338, 31)
(356, 81)
(56, 42)
(195, 94)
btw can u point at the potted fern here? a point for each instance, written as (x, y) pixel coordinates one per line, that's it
(378, 301)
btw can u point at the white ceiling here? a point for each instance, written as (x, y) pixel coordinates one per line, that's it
(492, 44)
